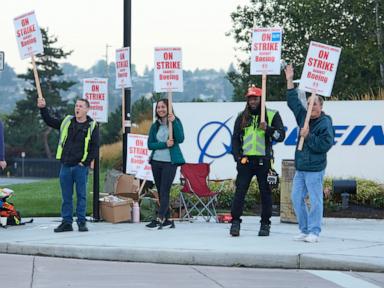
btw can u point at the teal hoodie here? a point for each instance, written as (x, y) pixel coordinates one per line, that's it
(313, 156)
(178, 137)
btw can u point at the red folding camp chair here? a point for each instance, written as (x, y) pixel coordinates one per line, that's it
(195, 196)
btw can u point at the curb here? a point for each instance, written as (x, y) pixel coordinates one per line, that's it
(199, 257)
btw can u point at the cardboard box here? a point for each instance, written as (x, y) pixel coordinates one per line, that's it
(116, 212)
(128, 187)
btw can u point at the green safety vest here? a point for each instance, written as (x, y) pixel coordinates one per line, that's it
(254, 137)
(64, 134)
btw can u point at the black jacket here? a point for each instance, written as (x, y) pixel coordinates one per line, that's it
(270, 136)
(74, 145)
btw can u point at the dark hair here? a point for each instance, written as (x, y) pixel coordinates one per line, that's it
(85, 101)
(165, 101)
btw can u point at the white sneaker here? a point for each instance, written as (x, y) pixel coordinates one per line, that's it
(300, 237)
(311, 238)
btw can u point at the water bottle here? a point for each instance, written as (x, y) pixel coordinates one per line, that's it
(135, 212)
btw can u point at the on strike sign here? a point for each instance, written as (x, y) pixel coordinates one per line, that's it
(28, 35)
(95, 90)
(168, 70)
(123, 70)
(320, 69)
(266, 51)
(138, 155)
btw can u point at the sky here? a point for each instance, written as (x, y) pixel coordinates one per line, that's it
(88, 26)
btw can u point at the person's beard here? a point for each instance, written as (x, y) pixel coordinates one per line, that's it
(254, 111)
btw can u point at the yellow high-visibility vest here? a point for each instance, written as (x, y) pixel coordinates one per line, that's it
(254, 137)
(64, 134)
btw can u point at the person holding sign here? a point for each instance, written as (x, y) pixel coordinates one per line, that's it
(78, 145)
(3, 163)
(310, 162)
(165, 157)
(252, 150)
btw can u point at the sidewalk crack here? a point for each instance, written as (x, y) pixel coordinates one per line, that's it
(206, 276)
(33, 272)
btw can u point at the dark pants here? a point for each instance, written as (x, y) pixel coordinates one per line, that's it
(163, 174)
(245, 173)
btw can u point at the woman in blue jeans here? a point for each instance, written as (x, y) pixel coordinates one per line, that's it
(165, 157)
(310, 162)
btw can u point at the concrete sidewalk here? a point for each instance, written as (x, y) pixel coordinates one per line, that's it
(345, 244)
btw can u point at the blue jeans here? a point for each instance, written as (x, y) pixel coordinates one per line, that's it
(70, 175)
(308, 183)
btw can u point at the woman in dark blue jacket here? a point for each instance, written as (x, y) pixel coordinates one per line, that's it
(165, 157)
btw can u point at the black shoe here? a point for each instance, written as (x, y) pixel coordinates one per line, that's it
(264, 229)
(153, 224)
(235, 228)
(64, 227)
(167, 224)
(82, 227)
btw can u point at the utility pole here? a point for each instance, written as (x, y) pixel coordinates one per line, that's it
(127, 91)
(106, 60)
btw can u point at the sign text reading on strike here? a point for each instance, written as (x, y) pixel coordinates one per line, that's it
(95, 96)
(137, 150)
(265, 46)
(122, 64)
(168, 65)
(26, 31)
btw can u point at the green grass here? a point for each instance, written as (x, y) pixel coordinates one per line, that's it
(43, 198)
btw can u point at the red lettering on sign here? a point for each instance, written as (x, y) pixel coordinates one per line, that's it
(316, 63)
(24, 22)
(122, 56)
(168, 65)
(168, 56)
(265, 46)
(266, 37)
(95, 88)
(25, 31)
(323, 54)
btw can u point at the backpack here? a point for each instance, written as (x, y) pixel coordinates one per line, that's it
(9, 211)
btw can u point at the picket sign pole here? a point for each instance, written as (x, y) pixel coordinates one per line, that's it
(122, 109)
(38, 88)
(264, 89)
(307, 118)
(170, 127)
(142, 186)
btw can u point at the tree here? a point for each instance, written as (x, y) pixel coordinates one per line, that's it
(25, 129)
(353, 25)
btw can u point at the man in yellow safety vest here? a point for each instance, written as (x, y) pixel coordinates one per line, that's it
(252, 149)
(78, 145)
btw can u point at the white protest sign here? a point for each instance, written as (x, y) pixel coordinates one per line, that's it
(137, 154)
(123, 70)
(320, 69)
(168, 74)
(145, 172)
(1, 60)
(28, 35)
(95, 90)
(266, 51)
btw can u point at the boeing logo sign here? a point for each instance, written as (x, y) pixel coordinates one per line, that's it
(358, 125)
(374, 133)
(204, 145)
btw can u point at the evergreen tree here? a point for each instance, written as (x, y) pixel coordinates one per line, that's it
(25, 130)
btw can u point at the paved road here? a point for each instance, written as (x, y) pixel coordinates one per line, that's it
(19, 271)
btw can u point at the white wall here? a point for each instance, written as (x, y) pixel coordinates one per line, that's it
(366, 160)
